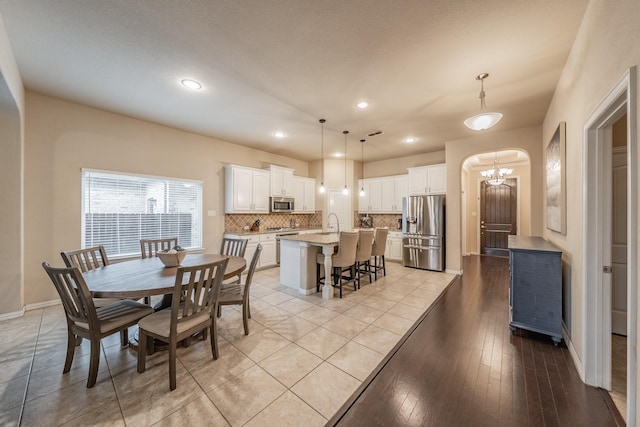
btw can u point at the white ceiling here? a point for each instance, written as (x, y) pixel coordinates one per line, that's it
(283, 64)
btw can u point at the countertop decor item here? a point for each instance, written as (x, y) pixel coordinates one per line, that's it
(171, 258)
(255, 226)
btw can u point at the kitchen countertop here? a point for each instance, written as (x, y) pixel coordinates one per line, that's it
(265, 231)
(317, 238)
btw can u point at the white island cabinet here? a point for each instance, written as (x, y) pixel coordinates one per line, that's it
(298, 261)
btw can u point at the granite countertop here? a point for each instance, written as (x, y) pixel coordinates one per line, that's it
(318, 238)
(265, 231)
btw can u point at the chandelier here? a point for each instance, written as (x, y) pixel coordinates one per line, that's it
(485, 119)
(496, 175)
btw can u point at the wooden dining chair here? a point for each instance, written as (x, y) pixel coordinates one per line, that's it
(239, 294)
(85, 320)
(233, 247)
(195, 297)
(87, 259)
(150, 247)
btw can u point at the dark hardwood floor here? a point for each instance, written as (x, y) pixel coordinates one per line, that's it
(461, 366)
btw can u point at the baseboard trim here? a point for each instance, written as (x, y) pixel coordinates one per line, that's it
(12, 315)
(44, 304)
(572, 351)
(458, 272)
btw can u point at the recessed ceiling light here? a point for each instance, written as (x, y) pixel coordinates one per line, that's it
(191, 84)
(363, 104)
(410, 140)
(337, 154)
(279, 134)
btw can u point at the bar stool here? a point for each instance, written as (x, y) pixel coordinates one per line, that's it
(344, 259)
(377, 252)
(363, 254)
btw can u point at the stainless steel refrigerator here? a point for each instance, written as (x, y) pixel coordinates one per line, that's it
(423, 232)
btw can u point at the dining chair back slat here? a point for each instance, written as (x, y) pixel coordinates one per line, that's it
(233, 247)
(86, 259)
(150, 247)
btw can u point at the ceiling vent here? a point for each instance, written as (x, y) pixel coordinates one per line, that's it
(376, 133)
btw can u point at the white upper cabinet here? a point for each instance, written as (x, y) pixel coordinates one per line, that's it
(304, 193)
(281, 181)
(428, 179)
(383, 195)
(246, 190)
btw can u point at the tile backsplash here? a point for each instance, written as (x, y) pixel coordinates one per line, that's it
(234, 223)
(389, 221)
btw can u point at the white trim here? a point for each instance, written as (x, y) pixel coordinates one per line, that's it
(140, 175)
(12, 315)
(572, 351)
(459, 272)
(40, 305)
(596, 315)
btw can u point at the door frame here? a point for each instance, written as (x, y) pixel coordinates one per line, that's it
(479, 204)
(596, 178)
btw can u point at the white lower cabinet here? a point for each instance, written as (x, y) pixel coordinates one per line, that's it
(393, 251)
(268, 255)
(268, 242)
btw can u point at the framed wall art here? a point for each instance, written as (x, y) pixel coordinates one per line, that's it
(556, 185)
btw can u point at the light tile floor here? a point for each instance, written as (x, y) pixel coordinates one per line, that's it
(303, 358)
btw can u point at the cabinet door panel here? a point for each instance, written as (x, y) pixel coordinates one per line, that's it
(242, 189)
(437, 179)
(388, 195)
(260, 191)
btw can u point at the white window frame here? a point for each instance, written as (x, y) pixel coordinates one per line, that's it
(128, 247)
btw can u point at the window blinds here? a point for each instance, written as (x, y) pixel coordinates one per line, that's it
(120, 209)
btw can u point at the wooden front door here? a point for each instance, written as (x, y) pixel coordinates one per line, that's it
(498, 216)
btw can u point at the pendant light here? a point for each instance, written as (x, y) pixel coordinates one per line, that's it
(362, 165)
(496, 176)
(485, 119)
(322, 189)
(345, 190)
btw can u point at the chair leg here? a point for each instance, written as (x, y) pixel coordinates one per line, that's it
(71, 348)
(172, 363)
(384, 266)
(375, 267)
(248, 308)
(124, 337)
(142, 351)
(94, 361)
(245, 319)
(317, 277)
(214, 337)
(219, 311)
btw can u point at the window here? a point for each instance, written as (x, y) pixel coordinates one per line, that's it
(119, 209)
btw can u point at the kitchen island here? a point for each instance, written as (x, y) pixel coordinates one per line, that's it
(298, 261)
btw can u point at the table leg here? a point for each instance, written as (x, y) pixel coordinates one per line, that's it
(327, 289)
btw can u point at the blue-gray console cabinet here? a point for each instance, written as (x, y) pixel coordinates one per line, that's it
(535, 286)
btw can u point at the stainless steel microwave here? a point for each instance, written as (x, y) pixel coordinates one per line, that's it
(282, 204)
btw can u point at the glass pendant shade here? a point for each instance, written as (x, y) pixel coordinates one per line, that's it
(483, 120)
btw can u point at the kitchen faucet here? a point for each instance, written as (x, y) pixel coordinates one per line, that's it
(337, 220)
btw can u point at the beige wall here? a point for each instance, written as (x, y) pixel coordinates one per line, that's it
(526, 139)
(63, 137)
(604, 49)
(471, 185)
(399, 165)
(11, 174)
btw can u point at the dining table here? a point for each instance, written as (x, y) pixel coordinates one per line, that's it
(148, 277)
(139, 278)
